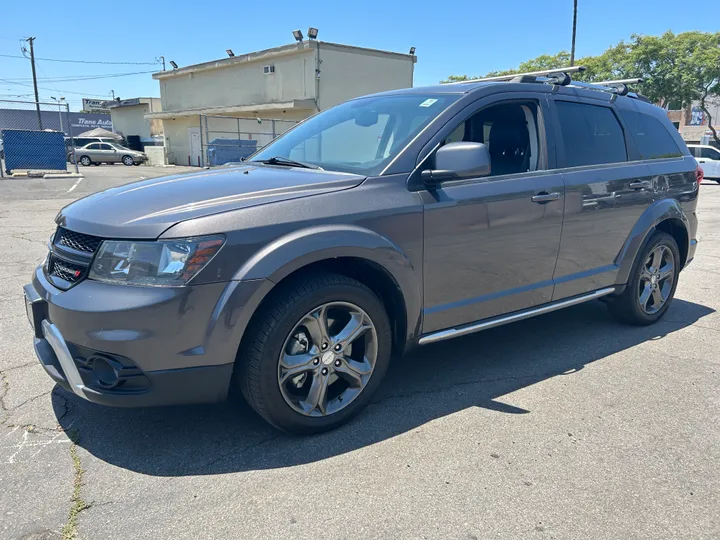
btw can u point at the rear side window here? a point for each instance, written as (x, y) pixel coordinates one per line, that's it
(591, 134)
(651, 137)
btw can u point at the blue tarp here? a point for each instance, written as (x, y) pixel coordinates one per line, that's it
(25, 149)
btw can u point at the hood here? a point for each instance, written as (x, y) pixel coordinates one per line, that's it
(146, 209)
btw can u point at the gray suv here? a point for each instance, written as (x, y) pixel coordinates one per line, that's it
(389, 221)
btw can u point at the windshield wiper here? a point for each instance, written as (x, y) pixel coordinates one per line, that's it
(279, 160)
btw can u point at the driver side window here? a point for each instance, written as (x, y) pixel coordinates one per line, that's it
(510, 132)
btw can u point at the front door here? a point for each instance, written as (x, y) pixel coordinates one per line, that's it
(195, 146)
(491, 243)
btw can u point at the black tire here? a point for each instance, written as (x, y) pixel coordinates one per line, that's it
(627, 307)
(128, 160)
(256, 371)
(85, 161)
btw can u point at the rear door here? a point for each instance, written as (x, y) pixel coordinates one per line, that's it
(607, 189)
(108, 153)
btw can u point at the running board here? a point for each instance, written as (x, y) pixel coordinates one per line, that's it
(506, 319)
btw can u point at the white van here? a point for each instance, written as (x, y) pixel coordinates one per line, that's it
(709, 159)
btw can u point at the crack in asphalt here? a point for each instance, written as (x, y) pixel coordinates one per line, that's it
(5, 388)
(78, 505)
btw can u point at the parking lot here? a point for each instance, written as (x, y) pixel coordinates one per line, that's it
(566, 426)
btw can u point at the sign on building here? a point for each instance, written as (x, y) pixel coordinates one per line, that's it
(96, 105)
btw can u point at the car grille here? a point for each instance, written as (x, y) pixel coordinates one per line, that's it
(71, 255)
(66, 270)
(77, 241)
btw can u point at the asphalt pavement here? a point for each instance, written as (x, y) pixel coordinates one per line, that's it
(566, 426)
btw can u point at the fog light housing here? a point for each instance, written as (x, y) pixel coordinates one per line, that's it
(104, 372)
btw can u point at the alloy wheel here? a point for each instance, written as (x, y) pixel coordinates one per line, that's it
(656, 279)
(327, 359)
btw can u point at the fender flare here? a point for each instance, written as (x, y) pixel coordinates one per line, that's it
(655, 214)
(293, 251)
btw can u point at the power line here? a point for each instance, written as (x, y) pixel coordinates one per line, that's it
(54, 89)
(72, 78)
(84, 61)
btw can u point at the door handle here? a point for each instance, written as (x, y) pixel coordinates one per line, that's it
(544, 197)
(642, 184)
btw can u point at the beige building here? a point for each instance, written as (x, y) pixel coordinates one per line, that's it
(281, 86)
(129, 117)
(693, 124)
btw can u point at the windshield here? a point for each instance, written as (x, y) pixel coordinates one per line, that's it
(360, 136)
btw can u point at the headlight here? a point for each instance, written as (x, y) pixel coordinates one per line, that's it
(164, 263)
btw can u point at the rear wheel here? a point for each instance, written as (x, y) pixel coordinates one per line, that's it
(652, 283)
(314, 356)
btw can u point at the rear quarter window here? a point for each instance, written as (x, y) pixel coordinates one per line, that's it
(651, 136)
(591, 134)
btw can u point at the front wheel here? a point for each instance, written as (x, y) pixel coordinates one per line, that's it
(652, 282)
(314, 356)
(85, 161)
(128, 160)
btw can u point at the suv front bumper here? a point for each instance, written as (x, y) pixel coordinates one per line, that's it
(134, 346)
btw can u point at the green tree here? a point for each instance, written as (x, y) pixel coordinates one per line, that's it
(676, 68)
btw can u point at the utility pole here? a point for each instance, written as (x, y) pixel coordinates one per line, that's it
(572, 49)
(37, 97)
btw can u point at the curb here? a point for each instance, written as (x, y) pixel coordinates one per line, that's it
(61, 175)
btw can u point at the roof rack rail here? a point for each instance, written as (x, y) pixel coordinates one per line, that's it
(619, 89)
(541, 73)
(620, 81)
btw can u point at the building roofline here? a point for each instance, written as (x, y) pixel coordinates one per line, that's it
(266, 54)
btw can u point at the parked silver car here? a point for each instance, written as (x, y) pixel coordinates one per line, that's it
(97, 153)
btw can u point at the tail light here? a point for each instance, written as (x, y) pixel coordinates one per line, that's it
(699, 174)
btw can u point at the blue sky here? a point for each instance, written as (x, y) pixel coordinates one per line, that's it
(457, 37)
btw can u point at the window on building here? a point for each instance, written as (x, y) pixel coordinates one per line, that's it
(591, 134)
(651, 136)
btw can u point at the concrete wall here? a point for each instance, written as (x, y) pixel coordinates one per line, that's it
(131, 120)
(346, 73)
(242, 84)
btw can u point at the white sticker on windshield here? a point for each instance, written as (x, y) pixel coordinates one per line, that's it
(428, 102)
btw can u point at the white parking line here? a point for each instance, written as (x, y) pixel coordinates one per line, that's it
(74, 185)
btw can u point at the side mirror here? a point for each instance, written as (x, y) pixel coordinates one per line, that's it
(456, 161)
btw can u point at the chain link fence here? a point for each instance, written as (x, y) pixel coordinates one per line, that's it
(228, 139)
(34, 138)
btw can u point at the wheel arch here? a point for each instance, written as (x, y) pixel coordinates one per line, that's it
(347, 250)
(664, 215)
